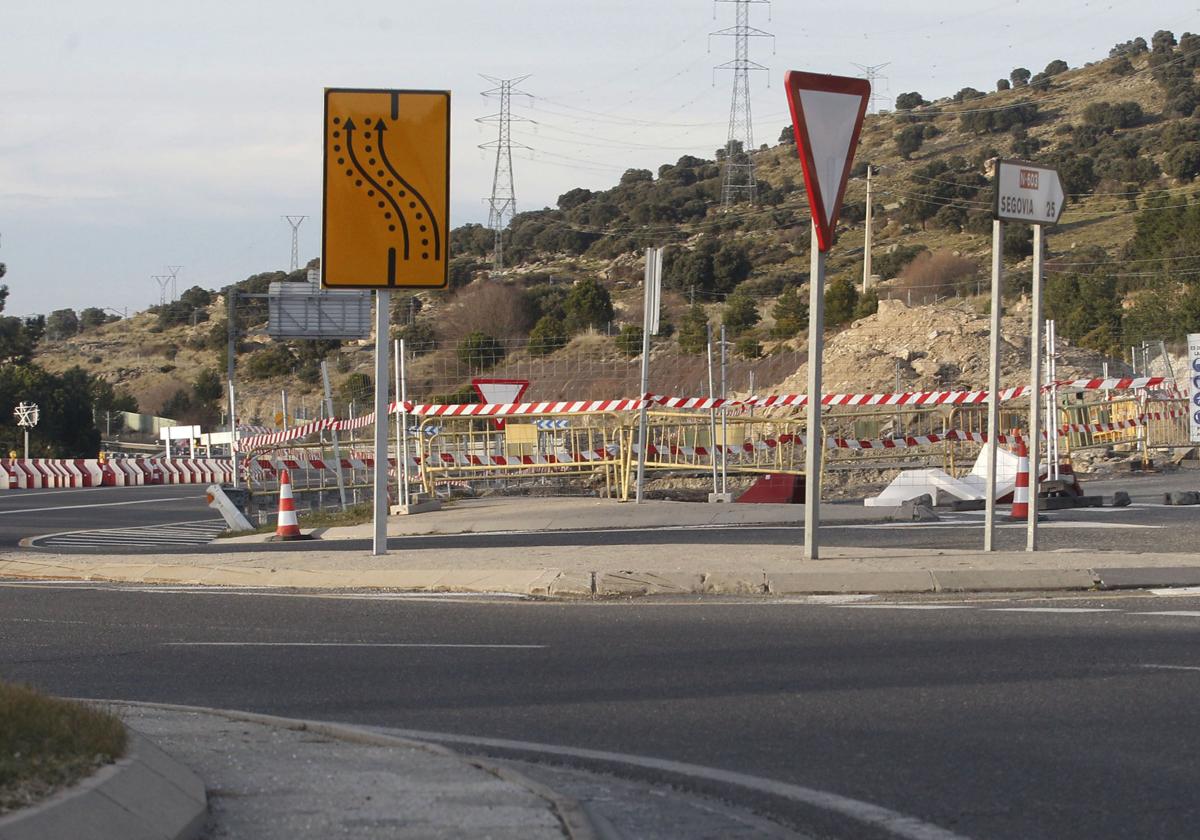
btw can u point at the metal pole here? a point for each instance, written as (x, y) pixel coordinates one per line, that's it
(283, 402)
(712, 413)
(379, 543)
(337, 450)
(813, 439)
(989, 524)
(1035, 402)
(724, 421)
(402, 422)
(867, 244)
(1052, 413)
(231, 329)
(643, 419)
(26, 444)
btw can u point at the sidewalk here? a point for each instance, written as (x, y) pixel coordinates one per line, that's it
(275, 779)
(618, 567)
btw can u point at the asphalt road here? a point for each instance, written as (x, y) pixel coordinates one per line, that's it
(985, 719)
(27, 513)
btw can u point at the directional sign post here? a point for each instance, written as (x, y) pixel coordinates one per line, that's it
(386, 220)
(827, 116)
(1193, 341)
(651, 309)
(1025, 192)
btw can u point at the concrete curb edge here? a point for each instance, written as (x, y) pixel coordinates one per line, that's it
(147, 793)
(569, 811)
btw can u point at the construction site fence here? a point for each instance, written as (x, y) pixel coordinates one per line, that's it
(600, 450)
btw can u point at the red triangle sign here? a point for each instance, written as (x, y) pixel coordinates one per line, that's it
(827, 116)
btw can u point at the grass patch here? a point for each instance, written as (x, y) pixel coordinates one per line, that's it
(47, 744)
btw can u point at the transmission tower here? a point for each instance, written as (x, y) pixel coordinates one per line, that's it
(164, 282)
(295, 222)
(173, 273)
(503, 202)
(739, 183)
(871, 73)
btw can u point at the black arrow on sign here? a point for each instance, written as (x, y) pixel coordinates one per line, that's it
(437, 238)
(350, 128)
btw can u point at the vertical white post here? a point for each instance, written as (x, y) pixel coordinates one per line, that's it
(648, 280)
(283, 403)
(337, 449)
(402, 422)
(233, 450)
(867, 242)
(27, 449)
(712, 413)
(814, 441)
(1035, 402)
(382, 299)
(724, 422)
(1053, 412)
(989, 524)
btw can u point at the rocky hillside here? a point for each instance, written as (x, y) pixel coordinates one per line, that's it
(1123, 132)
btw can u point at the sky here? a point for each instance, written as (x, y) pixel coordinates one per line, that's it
(138, 135)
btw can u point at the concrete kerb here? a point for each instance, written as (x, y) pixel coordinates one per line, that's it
(571, 814)
(147, 794)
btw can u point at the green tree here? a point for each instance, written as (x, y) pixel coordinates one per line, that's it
(208, 387)
(841, 298)
(693, 330)
(910, 100)
(62, 324)
(1019, 76)
(790, 313)
(629, 339)
(731, 265)
(588, 304)
(480, 351)
(868, 304)
(909, 140)
(740, 313)
(748, 347)
(93, 317)
(1184, 161)
(547, 335)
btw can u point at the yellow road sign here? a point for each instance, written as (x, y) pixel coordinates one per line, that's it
(387, 189)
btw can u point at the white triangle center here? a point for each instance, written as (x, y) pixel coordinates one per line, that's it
(500, 393)
(830, 118)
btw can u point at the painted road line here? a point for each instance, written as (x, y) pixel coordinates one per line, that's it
(1175, 593)
(879, 818)
(903, 606)
(1170, 667)
(192, 533)
(355, 645)
(104, 504)
(1052, 609)
(1187, 613)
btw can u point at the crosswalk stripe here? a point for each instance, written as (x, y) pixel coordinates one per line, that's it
(194, 533)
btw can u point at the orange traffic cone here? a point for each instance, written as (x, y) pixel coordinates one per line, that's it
(1066, 472)
(288, 528)
(1020, 505)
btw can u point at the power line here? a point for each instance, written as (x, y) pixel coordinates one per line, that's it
(739, 181)
(503, 202)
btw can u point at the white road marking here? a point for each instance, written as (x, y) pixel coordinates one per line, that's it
(103, 504)
(876, 816)
(1052, 609)
(903, 606)
(1189, 613)
(353, 645)
(834, 600)
(1176, 592)
(1171, 667)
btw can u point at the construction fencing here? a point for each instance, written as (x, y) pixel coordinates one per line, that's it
(595, 443)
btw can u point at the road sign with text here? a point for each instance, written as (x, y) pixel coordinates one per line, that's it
(1029, 193)
(387, 189)
(827, 117)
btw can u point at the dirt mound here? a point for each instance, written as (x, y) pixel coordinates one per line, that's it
(930, 348)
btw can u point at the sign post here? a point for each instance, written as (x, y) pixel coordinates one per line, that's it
(651, 306)
(1193, 341)
(386, 219)
(27, 415)
(827, 117)
(1025, 192)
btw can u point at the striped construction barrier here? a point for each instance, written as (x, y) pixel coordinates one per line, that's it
(38, 473)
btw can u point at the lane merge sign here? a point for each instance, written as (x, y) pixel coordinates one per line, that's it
(827, 117)
(386, 189)
(1026, 192)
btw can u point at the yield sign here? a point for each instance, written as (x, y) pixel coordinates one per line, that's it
(500, 392)
(827, 116)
